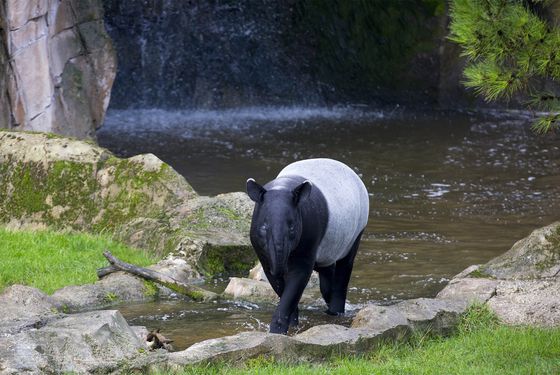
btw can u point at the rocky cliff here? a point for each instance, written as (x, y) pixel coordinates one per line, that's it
(57, 66)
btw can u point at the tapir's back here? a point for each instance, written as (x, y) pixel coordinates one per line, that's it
(347, 201)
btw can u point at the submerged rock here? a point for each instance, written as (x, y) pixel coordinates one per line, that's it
(62, 183)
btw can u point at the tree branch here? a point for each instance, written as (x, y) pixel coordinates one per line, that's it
(192, 291)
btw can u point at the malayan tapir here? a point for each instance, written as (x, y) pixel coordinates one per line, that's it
(311, 217)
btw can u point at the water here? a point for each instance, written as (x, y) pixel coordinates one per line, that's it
(447, 190)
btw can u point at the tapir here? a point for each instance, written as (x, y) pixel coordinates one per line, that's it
(310, 217)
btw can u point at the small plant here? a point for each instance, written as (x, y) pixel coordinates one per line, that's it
(477, 317)
(111, 297)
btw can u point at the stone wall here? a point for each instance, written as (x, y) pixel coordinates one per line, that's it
(57, 66)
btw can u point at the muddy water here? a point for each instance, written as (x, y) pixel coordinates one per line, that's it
(447, 190)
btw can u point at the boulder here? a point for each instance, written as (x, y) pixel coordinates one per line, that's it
(421, 314)
(112, 289)
(53, 182)
(250, 290)
(62, 66)
(535, 256)
(24, 307)
(96, 341)
(472, 290)
(528, 302)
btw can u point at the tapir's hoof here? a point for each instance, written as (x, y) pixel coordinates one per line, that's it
(332, 313)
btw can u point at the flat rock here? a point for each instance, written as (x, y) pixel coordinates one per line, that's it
(232, 348)
(528, 302)
(470, 289)
(435, 315)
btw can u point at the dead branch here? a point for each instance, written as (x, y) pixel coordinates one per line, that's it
(192, 291)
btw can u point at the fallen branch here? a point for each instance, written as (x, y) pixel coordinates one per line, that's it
(192, 291)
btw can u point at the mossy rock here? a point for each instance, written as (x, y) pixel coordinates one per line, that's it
(66, 184)
(535, 256)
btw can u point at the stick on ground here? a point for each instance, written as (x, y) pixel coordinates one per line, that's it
(192, 291)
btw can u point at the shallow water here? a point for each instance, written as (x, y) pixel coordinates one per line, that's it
(447, 190)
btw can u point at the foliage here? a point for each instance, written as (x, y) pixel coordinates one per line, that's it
(480, 346)
(49, 260)
(510, 50)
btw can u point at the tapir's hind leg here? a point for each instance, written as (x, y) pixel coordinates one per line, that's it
(342, 272)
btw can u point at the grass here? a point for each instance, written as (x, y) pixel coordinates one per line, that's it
(480, 346)
(50, 260)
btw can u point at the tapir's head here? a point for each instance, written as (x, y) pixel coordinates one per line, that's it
(276, 225)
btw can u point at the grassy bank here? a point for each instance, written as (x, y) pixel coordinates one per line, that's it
(49, 260)
(480, 346)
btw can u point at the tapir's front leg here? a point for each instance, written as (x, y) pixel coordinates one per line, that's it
(295, 280)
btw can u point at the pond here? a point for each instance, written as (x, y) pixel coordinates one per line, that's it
(447, 190)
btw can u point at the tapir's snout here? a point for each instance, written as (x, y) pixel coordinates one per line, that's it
(278, 258)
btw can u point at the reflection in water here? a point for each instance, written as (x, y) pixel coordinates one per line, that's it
(447, 190)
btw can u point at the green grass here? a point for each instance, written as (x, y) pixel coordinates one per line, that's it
(480, 346)
(49, 260)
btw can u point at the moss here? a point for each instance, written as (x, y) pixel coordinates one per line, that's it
(111, 298)
(552, 252)
(226, 260)
(150, 289)
(480, 274)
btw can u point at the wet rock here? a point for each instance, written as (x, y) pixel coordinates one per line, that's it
(250, 290)
(140, 201)
(97, 341)
(536, 256)
(62, 66)
(240, 288)
(257, 273)
(24, 307)
(528, 302)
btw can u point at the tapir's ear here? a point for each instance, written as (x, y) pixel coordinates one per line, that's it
(301, 192)
(255, 190)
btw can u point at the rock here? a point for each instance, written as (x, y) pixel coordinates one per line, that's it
(528, 302)
(380, 318)
(236, 348)
(536, 256)
(250, 290)
(97, 341)
(62, 66)
(257, 273)
(24, 307)
(177, 268)
(240, 288)
(425, 314)
(53, 182)
(112, 289)
(470, 289)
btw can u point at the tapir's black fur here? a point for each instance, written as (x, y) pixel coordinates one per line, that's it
(287, 227)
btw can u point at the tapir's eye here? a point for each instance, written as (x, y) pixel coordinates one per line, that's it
(263, 228)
